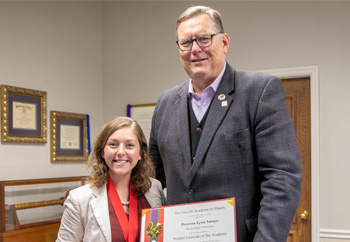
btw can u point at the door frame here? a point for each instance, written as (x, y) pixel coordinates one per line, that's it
(312, 72)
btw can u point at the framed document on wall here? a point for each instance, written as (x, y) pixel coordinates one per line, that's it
(69, 136)
(142, 114)
(23, 115)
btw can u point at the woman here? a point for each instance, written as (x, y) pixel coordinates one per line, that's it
(120, 186)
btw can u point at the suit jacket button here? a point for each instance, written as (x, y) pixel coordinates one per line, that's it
(191, 191)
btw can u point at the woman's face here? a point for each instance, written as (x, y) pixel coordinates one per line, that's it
(122, 152)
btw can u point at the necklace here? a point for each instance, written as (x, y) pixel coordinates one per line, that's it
(125, 203)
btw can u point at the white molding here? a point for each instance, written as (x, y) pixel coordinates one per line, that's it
(312, 72)
(335, 233)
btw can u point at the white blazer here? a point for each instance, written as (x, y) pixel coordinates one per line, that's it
(86, 215)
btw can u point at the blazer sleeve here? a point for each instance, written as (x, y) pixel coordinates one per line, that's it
(155, 195)
(278, 163)
(72, 228)
(153, 147)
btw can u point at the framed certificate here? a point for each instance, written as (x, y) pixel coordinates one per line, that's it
(142, 114)
(211, 221)
(69, 136)
(23, 116)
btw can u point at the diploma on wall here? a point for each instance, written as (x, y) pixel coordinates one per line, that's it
(194, 222)
(24, 116)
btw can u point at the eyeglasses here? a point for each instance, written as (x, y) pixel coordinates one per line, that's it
(204, 40)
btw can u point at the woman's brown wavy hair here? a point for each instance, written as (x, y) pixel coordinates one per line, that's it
(141, 173)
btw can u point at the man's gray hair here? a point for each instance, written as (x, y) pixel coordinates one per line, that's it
(198, 10)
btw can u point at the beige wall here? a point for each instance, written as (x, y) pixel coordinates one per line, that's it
(97, 57)
(54, 47)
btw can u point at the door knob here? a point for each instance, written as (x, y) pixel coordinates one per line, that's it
(304, 215)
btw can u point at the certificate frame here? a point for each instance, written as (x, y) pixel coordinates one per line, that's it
(23, 115)
(142, 114)
(69, 136)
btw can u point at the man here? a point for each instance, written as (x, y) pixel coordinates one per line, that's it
(226, 133)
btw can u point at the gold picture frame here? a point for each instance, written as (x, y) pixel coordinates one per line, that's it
(23, 115)
(69, 136)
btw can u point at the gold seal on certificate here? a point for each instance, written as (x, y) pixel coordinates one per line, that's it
(154, 230)
(194, 222)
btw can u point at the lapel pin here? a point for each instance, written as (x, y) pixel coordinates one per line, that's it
(221, 97)
(224, 103)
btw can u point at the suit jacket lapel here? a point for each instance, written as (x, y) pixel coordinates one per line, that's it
(183, 130)
(100, 209)
(217, 112)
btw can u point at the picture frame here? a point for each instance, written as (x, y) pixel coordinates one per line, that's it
(142, 114)
(69, 136)
(23, 115)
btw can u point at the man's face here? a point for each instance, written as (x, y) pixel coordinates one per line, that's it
(203, 64)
